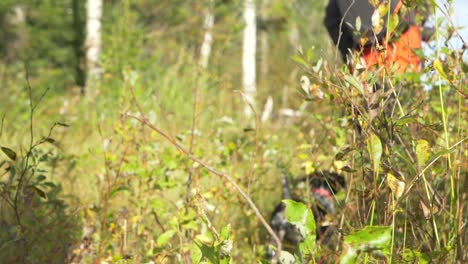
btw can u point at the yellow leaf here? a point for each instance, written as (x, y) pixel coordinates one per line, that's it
(135, 219)
(422, 152)
(315, 91)
(425, 209)
(397, 186)
(437, 64)
(308, 167)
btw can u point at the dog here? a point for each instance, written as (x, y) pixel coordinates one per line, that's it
(323, 187)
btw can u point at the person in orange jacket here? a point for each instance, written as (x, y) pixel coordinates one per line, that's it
(370, 40)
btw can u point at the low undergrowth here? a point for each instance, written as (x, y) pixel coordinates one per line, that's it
(162, 166)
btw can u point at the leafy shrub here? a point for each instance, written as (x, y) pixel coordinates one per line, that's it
(37, 225)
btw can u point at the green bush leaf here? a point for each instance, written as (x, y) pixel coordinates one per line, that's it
(372, 239)
(197, 254)
(41, 177)
(392, 23)
(50, 140)
(413, 256)
(297, 212)
(62, 124)
(354, 82)
(299, 60)
(39, 192)
(164, 237)
(437, 64)
(10, 153)
(225, 232)
(302, 218)
(116, 190)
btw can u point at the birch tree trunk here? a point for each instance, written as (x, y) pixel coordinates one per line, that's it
(205, 49)
(93, 39)
(14, 33)
(294, 36)
(248, 56)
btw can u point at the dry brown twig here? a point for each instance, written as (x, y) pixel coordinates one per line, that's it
(145, 121)
(255, 151)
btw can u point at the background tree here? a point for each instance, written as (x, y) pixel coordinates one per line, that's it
(208, 22)
(249, 56)
(78, 45)
(93, 39)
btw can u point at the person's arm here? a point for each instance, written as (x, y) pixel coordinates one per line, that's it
(332, 22)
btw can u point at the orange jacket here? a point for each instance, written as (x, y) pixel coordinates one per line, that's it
(399, 52)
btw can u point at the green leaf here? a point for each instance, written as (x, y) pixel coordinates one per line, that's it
(309, 54)
(50, 184)
(116, 190)
(392, 23)
(225, 232)
(297, 212)
(39, 192)
(302, 218)
(422, 152)
(164, 185)
(343, 152)
(10, 153)
(164, 237)
(196, 255)
(50, 140)
(372, 239)
(404, 120)
(62, 124)
(208, 253)
(374, 147)
(414, 256)
(41, 178)
(299, 60)
(307, 247)
(354, 82)
(437, 64)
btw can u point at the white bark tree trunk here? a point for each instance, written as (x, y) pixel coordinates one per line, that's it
(294, 36)
(248, 56)
(93, 38)
(208, 23)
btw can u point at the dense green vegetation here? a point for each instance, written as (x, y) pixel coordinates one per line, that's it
(120, 175)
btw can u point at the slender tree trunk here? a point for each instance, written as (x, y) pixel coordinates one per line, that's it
(205, 49)
(248, 55)
(294, 36)
(80, 74)
(93, 39)
(264, 45)
(14, 34)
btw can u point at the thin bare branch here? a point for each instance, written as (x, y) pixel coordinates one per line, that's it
(144, 120)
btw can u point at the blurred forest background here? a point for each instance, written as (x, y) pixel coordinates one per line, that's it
(83, 179)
